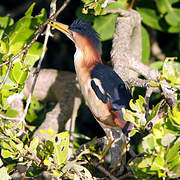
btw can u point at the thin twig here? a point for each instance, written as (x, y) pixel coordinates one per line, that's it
(60, 9)
(3, 64)
(104, 171)
(47, 34)
(9, 118)
(128, 174)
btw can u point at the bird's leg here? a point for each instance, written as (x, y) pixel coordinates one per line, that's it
(110, 142)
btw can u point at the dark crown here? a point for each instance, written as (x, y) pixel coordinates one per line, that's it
(84, 28)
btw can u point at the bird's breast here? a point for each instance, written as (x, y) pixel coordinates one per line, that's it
(99, 109)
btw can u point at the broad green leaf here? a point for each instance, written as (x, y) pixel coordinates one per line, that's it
(4, 46)
(158, 129)
(61, 145)
(148, 143)
(105, 26)
(33, 145)
(162, 6)
(145, 46)
(158, 163)
(33, 54)
(155, 110)
(56, 173)
(174, 164)
(168, 139)
(11, 112)
(173, 151)
(28, 13)
(151, 18)
(5, 22)
(157, 65)
(50, 131)
(6, 153)
(176, 115)
(18, 73)
(173, 17)
(23, 31)
(47, 162)
(138, 105)
(145, 162)
(117, 4)
(33, 111)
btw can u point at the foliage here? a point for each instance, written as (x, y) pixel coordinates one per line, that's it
(162, 15)
(160, 147)
(14, 37)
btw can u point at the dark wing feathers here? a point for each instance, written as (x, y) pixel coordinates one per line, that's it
(98, 92)
(115, 91)
(114, 87)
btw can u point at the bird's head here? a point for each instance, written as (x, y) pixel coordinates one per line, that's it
(81, 33)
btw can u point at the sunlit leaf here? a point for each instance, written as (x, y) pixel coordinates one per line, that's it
(148, 143)
(145, 45)
(168, 139)
(158, 163)
(173, 151)
(50, 131)
(33, 144)
(105, 26)
(61, 145)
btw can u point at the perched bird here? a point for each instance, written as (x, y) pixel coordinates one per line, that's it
(104, 91)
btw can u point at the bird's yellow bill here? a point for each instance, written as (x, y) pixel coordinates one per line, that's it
(61, 27)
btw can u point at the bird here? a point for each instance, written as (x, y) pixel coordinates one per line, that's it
(105, 93)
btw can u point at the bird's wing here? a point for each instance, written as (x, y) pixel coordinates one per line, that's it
(112, 91)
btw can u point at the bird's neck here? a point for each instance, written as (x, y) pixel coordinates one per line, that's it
(85, 59)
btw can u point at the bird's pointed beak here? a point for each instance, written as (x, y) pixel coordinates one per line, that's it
(61, 27)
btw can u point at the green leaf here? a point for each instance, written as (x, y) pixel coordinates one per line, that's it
(28, 13)
(11, 112)
(151, 18)
(117, 4)
(61, 145)
(47, 162)
(155, 110)
(145, 46)
(138, 105)
(173, 17)
(18, 73)
(50, 131)
(148, 143)
(56, 173)
(168, 139)
(33, 145)
(23, 31)
(5, 23)
(105, 26)
(33, 54)
(173, 152)
(158, 163)
(157, 65)
(145, 162)
(6, 153)
(162, 6)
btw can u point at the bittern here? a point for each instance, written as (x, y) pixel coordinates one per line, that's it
(104, 91)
